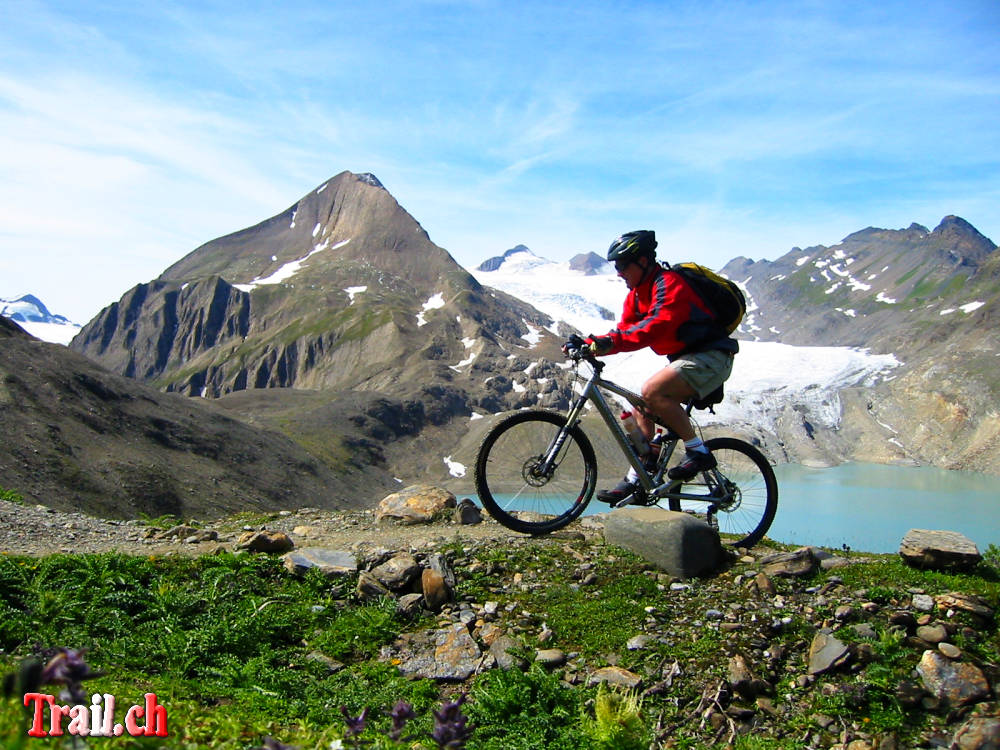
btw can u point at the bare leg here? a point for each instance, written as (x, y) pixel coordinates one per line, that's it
(665, 393)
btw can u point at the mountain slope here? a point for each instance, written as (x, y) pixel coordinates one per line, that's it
(930, 298)
(342, 294)
(93, 441)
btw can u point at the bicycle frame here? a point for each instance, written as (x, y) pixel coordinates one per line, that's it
(652, 484)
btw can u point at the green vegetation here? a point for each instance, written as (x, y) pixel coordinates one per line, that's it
(237, 648)
(12, 497)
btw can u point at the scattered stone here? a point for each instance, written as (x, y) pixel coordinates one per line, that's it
(616, 677)
(864, 630)
(467, 513)
(954, 683)
(435, 590)
(329, 562)
(332, 665)
(978, 733)
(827, 653)
(939, 550)
(504, 649)
(419, 503)
(678, 543)
(265, 541)
(801, 562)
(369, 587)
(950, 650)
(398, 572)
(408, 606)
(765, 586)
(448, 655)
(923, 603)
(966, 603)
(639, 642)
(550, 657)
(933, 634)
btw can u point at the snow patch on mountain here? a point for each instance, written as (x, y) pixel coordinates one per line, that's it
(33, 316)
(766, 378)
(288, 270)
(579, 299)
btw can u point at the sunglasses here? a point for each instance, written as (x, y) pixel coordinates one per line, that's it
(620, 265)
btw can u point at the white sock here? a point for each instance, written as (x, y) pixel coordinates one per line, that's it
(632, 475)
(695, 444)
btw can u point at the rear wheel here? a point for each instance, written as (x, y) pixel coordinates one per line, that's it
(741, 493)
(516, 488)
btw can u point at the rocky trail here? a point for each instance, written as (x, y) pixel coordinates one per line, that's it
(798, 648)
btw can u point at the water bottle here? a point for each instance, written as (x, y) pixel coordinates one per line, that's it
(636, 435)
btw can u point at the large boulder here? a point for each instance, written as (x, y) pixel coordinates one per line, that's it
(939, 550)
(420, 503)
(678, 543)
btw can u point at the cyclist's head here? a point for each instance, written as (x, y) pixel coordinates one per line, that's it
(631, 246)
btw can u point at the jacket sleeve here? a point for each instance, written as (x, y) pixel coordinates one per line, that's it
(657, 323)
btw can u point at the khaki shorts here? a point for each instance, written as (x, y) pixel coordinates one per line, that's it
(704, 371)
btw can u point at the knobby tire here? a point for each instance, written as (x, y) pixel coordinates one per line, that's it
(520, 500)
(749, 517)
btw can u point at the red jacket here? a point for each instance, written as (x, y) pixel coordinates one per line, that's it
(667, 315)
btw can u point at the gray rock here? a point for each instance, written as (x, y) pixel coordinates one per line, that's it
(639, 642)
(678, 543)
(966, 603)
(939, 550)
(266, 541)
(550, 657)
(923, 602)
(398, 572)
(467, 513)
(864, 630)
(416, 504)
(329, 562)
(801, 562)
(449, 655)
(501, 649)
(978, 733)
(950, 650)
(827, 653)
(616, 677)
(331, 664)
(408, 606)
(369, 587)
(932, 633)
(954, 683)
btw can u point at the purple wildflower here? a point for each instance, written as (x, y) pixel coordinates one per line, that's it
(355, 726)
(451, 730)
(66, 667)
(400, 714)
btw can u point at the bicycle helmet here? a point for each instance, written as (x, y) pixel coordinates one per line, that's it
(632, 245)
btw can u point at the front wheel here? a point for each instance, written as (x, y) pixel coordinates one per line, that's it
(522, 485)
(741, 493)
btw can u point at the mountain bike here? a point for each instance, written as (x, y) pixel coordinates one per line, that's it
(536, 470)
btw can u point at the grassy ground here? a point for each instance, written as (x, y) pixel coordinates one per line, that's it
(238, 649)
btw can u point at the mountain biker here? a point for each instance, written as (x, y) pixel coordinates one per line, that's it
(664, 313)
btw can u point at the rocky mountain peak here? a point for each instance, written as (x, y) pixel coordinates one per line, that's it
(494, 263)
(590, 264)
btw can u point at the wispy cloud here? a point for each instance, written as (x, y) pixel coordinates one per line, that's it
(133, 132)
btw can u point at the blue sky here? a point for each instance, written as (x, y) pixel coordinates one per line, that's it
(132, 132)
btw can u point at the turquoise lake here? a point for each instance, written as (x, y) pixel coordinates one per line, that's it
(870, 507)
